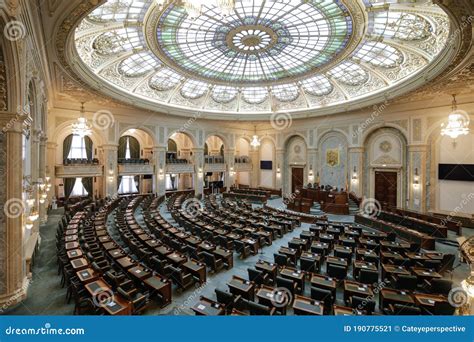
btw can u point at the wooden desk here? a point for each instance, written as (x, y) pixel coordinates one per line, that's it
(116, 253)
(360, 264)
(392, 296)
(320, 247)
(295, 275)
(207, 246)
(268, 267)
(353, 288)
(291, 253)
(324, 282)
(139, 272)
(226, 255)
(164, 250)
(109, 245)
(272, 297)
(428, 300)
(116, 306)
(312, 257)
(79, 264)
(125, 262)
(193, 241)
(71, 238)
(197, 269)
(346, 311)
(362, 253)
(159, 285)
(337, 261)
(177, 258)
(97, 286)
(239, 286)
(393, 269)
(87, 275)
(252, 243)
(74, 253)
(207, 307)
(424, 273)
(71, 245)
(307, 306)
(153, 243)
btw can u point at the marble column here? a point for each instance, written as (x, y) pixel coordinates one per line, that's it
(229, 160)
(356, 171)
(43, 211)
(110, 169)
(416, 170)
(198, 157)
(255, 173)
(159, 160)
(312, 165)
(279, 161)
(13, 282)
(50, 167)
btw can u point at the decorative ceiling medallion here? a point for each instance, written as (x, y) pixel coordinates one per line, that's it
(385, 146)
(311, 56)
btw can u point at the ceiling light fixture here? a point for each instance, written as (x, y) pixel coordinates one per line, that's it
(81, 127)
(194, 8)
(458, 122)
(255, 140)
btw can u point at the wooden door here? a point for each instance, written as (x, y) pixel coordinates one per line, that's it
(297, 181)
(386, 188)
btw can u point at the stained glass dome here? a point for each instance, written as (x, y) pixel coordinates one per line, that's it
(266, 56)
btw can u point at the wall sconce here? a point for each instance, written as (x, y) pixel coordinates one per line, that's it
(34, 215)
(200, 172)
(161, 173)
(28, 224)
(311, 174)
(278, 171)
(354, 175)
(232, 172)
(416, 180)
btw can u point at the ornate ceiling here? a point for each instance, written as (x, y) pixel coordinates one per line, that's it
(311, 57)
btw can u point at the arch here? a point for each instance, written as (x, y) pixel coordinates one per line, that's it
(368, 132)
(292, 135)
(219, 143)
(172, 146)
(328, 132)
(128, 130)
(224, 139)
(186, 133)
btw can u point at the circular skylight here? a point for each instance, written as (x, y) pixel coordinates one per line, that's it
(264, 56)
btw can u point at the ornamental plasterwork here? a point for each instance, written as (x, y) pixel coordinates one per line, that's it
(385, 159)
(385, 146)
(374, 84)
(145, 90)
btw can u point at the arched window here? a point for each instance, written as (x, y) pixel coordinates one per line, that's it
(77, 147)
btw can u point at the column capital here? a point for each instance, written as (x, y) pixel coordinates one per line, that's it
(13, 122)
(356, 149)
(109, 147)
(418, 148)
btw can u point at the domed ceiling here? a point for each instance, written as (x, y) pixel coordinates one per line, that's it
(311, 56)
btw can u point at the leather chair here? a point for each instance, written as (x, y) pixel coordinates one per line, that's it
(280, 259)
(363, 304)
(258, 277)
(138, 300)
(181, 279)
(336, 271)
(404, 282)
(224, 242)
(443, 308)
(228, 300)
(194, 253)
(439, 286)
(309, 266)
(288, 284)
(368, 276)
(403, 310)
(114, 278)
(257, 309)
(241, 248)
(212, 262)
(343, 254)
(323, 295)
(101, 266)
(159, 266)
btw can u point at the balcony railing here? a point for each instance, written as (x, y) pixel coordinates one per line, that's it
(79, 170)
(135, 169)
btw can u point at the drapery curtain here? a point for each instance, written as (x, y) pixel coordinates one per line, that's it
(119, 181)
(68, 186)
(88, 145)
(134, 148)
(67, 147)
(122, 147)
(172, 179)
(137, 182)
(87, 183)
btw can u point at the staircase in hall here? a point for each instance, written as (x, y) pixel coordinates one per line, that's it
(316, 209)
(353, 207)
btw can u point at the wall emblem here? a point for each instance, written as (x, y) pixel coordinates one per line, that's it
(385, 146)
(332, 157)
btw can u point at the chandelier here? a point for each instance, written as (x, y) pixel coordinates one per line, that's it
(458, 122)
(81, 127)
(194, 8)
(255, 140)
